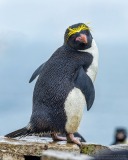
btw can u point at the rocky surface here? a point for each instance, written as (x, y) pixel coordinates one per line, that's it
(19, 148)
(59, 155)
(31, 145)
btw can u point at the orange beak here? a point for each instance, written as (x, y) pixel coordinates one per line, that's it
(82, 38)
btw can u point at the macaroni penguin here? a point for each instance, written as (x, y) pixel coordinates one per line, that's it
(64, 87)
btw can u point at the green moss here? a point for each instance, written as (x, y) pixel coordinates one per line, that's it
(88, 149)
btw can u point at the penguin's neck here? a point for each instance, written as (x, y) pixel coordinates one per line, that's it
(92, 70)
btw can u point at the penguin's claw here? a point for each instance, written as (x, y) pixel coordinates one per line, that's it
(72, 139)
(55, 137)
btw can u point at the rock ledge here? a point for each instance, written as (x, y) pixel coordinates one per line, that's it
(37, 148)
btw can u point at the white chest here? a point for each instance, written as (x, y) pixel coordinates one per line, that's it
(92, 70)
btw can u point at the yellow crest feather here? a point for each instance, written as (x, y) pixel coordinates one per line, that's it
(77, 29)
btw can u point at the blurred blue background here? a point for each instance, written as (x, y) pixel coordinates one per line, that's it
(30, 31)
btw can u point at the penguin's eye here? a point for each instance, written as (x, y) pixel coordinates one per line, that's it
(85, 32)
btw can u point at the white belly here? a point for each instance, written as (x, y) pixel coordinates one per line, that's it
(74, 106)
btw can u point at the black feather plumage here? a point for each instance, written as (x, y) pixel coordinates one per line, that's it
(53, 86)
(56, 79)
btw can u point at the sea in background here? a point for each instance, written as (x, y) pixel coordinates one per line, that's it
(30, 31)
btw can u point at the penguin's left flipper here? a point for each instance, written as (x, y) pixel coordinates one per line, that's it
(84, 83)
(37, 72)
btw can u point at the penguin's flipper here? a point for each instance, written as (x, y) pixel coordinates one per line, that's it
(37, 72)
(84, 83)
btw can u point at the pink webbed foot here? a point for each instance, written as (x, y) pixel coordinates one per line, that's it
(72, 139)
(55, 137)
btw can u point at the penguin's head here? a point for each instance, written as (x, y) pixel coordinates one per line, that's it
(78, 36)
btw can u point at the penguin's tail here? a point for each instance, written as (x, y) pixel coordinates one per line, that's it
(19, 133)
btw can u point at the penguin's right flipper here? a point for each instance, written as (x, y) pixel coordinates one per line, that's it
(84, 83)
(37, 72)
